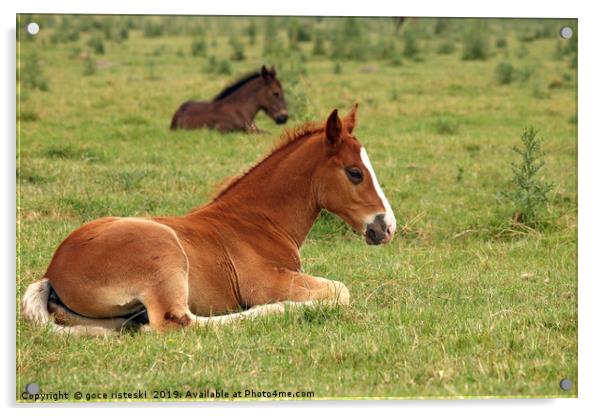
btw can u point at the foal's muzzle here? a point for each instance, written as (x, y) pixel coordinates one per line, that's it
(281, 118)
(378, 231)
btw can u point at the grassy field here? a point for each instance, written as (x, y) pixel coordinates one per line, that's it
(463, 302)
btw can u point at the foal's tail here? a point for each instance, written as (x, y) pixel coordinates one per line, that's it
(35, 302)
(37, 307)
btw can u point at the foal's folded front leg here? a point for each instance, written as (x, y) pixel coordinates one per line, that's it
(253, 129)
(332, 291)
(287, 285)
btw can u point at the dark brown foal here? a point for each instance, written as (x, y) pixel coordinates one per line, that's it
(235, 108)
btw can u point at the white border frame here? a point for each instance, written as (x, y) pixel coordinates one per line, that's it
(590, 208)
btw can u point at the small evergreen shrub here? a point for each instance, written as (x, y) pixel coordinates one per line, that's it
(528, 194)
(476, 42)
(224, 67)
(446, 48)
(97, 45)
(238, 50)
(410, 46)
(504, 73)
(199, 47)
(32, 75)
(318, 47)
(153, 29)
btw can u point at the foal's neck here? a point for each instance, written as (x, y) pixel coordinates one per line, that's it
(245, 100)
(278, 191)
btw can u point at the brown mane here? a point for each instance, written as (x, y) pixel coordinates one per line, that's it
(236, 85)
(288, 137)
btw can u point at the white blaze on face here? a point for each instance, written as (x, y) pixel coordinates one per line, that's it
(389, 216)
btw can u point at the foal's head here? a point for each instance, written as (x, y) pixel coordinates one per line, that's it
(347, 185)
(271, 96)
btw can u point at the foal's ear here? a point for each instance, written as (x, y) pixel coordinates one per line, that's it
(267, 74)
(273, 72)
(333, 129)
(350, 119)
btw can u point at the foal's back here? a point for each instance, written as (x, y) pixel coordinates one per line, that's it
(193, 115)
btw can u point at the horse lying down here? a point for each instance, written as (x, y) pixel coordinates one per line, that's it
(240, 251)
(235, 107)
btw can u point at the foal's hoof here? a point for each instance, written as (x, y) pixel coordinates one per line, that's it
(339, 294)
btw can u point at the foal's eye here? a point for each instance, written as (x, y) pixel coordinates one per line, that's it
(354, 174)
(276, 94)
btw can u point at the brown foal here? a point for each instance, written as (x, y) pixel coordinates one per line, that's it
(235, 108)
(240, 251)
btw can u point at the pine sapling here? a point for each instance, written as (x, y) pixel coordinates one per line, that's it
(529, 193)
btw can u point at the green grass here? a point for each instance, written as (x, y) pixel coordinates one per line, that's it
(461, 303)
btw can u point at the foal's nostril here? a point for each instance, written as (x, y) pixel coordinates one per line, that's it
(377, 230)
(372, 235)
(281, 119)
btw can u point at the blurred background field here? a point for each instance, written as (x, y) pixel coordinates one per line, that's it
(473, 297)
